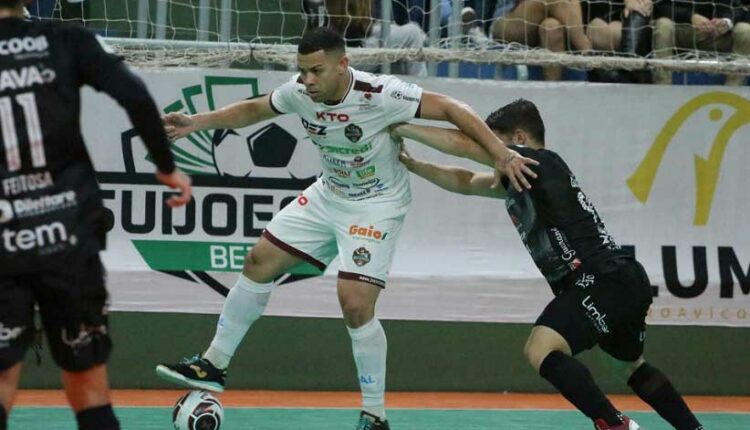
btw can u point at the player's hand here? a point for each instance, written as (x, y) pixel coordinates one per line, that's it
(178, 125)
(644, 7)
(721, 26)
(515, 168)
(180, 181)
(405, 157)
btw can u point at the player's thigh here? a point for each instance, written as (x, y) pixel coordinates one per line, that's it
(73, 302)
(301, 232)
(17, 328)
(521, 25)
(566, 315)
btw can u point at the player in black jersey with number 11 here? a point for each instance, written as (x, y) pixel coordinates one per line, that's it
(52, 221)
(601, 293)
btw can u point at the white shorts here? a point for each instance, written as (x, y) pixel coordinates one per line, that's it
(316, 228)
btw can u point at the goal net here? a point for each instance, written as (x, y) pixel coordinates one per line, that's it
(672, 35)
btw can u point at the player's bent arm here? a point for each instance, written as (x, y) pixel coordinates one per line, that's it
(449, 141)
(456, 179)
(440, 107)
(236, 115)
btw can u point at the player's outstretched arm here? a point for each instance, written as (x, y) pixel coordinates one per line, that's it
(449, 141)
(506, 161)
(236, 115)
(453, 179)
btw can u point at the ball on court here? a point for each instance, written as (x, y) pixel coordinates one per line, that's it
(198, 410)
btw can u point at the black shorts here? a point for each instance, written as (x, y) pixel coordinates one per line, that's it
(72, 301)
(607, 308)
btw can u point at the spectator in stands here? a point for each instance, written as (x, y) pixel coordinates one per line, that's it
(354, 19)
(708, 26)
(621, 27)
(550, 24)
(405, 11)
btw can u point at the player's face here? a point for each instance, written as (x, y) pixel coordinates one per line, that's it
(322, 74)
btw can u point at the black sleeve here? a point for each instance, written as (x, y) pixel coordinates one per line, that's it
(107, 73)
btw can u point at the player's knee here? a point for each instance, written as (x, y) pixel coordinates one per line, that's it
(80, 350)
(741, 34)
(357, 313)
(535, 352)
(552, 30)
(664, 32)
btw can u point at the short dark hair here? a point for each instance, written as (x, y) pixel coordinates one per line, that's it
(321, 38)
(8, 4)
(521, 114)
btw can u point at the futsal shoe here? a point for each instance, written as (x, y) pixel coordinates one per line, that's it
(371, 422)
(195, 372)
(627, 424)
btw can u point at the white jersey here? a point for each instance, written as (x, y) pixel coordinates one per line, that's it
(358, 155)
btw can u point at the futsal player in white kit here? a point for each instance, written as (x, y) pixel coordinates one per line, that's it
(354, 210)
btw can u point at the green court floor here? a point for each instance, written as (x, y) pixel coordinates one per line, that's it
(31, 418)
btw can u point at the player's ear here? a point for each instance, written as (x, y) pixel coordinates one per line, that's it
(520, 137)
(343, 65)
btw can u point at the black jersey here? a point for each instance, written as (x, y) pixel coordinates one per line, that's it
(558, 224)
(49, 197)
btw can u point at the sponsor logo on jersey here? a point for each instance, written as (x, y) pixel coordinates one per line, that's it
(44, 236)
(334, 161)
(358, 161)
(366, 232)
(23, 45)
(398, 95)
(25, 77)
(366, 173)
(332, 116)
(346, 151)
(372, 183)
(341, 173)
(586, 280)
(353, 132)
(361, 256)
(314, 129)
(8, 334)
(27, 183)
(29, 207)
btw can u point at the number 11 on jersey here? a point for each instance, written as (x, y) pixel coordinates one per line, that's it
(27, 101)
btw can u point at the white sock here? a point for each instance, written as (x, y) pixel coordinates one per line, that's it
(245, 303)
(370, 349)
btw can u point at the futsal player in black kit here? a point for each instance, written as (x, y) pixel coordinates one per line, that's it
(601, 292)
(52, 221)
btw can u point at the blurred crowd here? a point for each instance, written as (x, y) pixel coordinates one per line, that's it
(637, 28)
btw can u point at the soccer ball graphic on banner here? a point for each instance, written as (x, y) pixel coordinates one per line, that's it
(268, 152)
(197, 410)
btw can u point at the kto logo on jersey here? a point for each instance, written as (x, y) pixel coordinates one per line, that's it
(241, 179)
(366, 232)
(706, 169)
(332, 116)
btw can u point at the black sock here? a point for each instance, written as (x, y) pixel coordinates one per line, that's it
(98, 418)
(574, 381)
(3, 418)
(653, 387)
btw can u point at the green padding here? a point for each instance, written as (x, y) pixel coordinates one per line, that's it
(327, 419)
(315, 354)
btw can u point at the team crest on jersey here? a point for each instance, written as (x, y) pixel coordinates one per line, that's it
(361, 256)
(353, 132)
